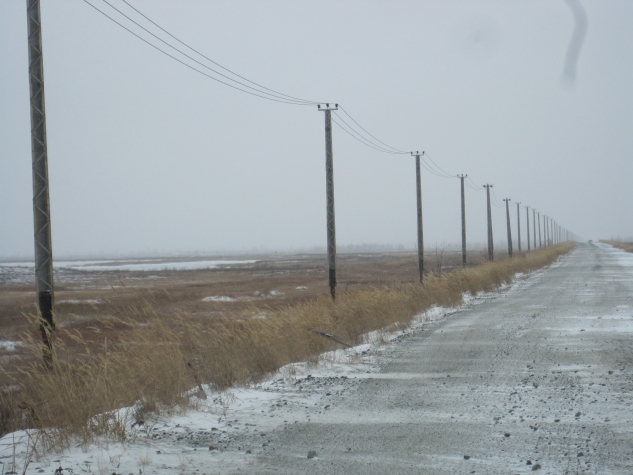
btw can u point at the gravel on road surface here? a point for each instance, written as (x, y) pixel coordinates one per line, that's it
(539, 379)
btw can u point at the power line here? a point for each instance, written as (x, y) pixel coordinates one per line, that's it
(188, 65)
(198, 62)
(365, 130)
(472, 187)
(377, 147)
(428, 168)
(361, 140)
(214, 62)
(473, 184)
(495, 201)
(448, 175)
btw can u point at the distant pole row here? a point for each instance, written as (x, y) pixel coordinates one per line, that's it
(552, 234)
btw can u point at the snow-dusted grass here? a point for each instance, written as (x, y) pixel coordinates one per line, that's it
(153, 368)
(625, 246)
(181, 440)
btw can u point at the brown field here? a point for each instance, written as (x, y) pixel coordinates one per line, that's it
(627, 246)
(126, 338)
(273, 282)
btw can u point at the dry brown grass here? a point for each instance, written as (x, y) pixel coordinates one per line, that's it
(627, 246)
(154, 362)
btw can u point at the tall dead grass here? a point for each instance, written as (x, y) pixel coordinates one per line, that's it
(154, 365)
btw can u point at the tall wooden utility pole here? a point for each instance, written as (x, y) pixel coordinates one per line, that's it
(41, 203)
(461, 177)
(527, 220)
(519, 226)
(507, 200)
(329, 190)
(490, 242)
(418, 183)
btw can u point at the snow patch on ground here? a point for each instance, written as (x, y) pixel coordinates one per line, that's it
(7, 345)
(219, 298)
(136, 265)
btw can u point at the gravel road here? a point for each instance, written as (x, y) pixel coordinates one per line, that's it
(535, 378)
(538, 379)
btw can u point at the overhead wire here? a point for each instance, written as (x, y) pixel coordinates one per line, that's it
(212, 61)
(471, 184)
(447, 175)
(429, 169)
(378, 147)
(368, 144)
(435, 172)
(474, 185)
(495, 201)
(365, 130)
(474, 188)
(188, 65)
(276, 95)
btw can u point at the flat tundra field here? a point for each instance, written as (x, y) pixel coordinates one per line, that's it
(535, 377)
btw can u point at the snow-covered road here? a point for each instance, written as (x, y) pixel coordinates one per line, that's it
(537, 377)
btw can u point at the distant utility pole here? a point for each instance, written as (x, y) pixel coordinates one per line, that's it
(519, 226)
(549, 231)
(540, 243)
(41, 203)
(507, 200)
(490, 242)
(329, 190)
(461, 177)
(418, 182)
(527, 216)
(534, 225)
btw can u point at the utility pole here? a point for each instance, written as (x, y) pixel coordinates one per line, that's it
(549, 231)
(534, 225)
(507, 200)
(329, 190)
(540, 243)
(527, 219)
(418, 182)
(519, 226)
(490, 242)
(461, 177)
(41, 203)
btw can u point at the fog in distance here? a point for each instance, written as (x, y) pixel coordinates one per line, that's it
(147, 156)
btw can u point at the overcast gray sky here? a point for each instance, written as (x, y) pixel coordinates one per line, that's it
(146, 155)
